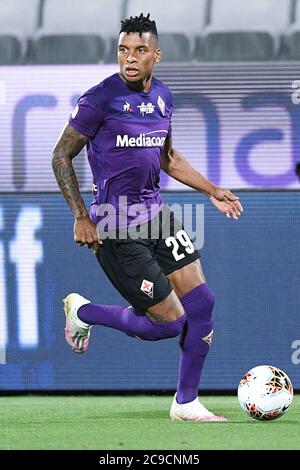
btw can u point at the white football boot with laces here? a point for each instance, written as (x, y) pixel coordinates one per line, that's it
(76, 331)
(192, 411)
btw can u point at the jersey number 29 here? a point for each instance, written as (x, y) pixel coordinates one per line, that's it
(184, 241)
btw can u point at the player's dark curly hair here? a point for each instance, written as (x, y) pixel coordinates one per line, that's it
(139, 24)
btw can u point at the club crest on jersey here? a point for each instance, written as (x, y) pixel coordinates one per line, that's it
(161, 105)
(208, 338)
(146, 108)
(147, 288)
(127, 108)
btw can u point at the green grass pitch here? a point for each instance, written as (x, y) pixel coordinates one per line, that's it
(136, 422)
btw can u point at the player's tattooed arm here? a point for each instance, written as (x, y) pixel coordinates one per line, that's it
(69, 144)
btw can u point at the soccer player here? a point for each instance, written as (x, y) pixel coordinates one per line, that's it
(125, 122)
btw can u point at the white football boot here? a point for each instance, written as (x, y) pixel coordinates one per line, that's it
(192, 411)
(76, 331)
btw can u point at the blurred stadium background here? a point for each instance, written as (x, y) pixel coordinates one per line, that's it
(235, 74)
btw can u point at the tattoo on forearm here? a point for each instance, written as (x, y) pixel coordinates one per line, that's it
(68, 146)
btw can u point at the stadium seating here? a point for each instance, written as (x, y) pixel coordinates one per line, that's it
(86, 31)
(292, 38)
(80, 33)
(251, 31)
(18, 21)
(177, 26)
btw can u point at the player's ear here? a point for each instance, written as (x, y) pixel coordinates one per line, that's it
(157, 55)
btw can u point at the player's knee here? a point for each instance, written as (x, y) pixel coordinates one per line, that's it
(208, 299)
(204, 303)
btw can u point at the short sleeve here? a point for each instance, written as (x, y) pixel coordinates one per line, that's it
(86, 118)
(169, 136)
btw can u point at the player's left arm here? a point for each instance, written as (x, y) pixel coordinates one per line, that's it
(176, 166)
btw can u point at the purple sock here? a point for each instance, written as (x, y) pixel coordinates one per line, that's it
(130, 321)
(195, 340)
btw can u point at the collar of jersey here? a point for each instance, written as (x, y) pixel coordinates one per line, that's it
(146, 93)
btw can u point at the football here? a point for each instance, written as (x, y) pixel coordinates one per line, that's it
(265, 393)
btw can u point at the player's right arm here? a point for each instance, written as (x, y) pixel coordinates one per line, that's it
(69, 144)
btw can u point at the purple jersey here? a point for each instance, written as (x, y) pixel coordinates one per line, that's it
(127, 130)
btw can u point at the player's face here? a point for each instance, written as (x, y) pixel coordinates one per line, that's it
(137, 56)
